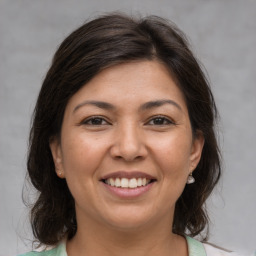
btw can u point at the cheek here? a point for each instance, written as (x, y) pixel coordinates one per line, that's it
(172, 154)
(81, 154)
(80, 161)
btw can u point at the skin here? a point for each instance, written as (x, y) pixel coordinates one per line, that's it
(156, 140)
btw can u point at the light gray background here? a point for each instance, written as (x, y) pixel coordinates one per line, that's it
(223, 36)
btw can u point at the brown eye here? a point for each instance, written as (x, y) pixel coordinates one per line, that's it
(160, 121)
(95, 121)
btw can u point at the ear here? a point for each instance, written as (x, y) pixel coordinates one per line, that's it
(196, 150)
(57, 156)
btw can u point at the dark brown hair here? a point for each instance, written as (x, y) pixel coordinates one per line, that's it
(103, 42)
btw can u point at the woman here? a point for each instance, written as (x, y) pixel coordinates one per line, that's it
(122, 147)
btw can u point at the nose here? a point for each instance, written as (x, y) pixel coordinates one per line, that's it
(128, 143)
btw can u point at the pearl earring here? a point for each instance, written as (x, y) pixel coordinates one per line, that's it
(59, 173)
(190, 179)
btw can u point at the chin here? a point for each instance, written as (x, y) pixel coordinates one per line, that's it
(128, 220)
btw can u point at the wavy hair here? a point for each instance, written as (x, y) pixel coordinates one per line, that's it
(110, 40)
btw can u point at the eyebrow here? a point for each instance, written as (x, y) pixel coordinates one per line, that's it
(99, 104)
(159, 103)
(145, 106)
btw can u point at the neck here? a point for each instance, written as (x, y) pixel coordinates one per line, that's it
(154, 240)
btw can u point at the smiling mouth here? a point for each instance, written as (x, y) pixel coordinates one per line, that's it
(128, 183)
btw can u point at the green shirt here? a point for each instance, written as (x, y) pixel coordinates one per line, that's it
(195, 248)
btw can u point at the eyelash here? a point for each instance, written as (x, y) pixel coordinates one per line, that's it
(102, 121)
(167, 121)
(89, 121)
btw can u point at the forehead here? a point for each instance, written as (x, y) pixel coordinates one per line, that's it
(131, 83)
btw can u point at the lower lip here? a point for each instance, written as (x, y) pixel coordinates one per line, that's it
(128, 193)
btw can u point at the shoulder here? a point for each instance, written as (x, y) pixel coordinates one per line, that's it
(59, 250)
(197, 248)
(51, 252)
(212, 250)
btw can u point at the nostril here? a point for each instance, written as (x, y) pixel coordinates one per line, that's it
(128, 158)
(128, 148)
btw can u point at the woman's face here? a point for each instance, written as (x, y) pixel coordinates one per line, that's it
(126, 146)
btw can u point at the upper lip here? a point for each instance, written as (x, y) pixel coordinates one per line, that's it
(128, 175)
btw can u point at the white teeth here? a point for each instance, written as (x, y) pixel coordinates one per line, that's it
(112, 182)
(117, 183)
(133, 183)
(127, 183)
(124, 183)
